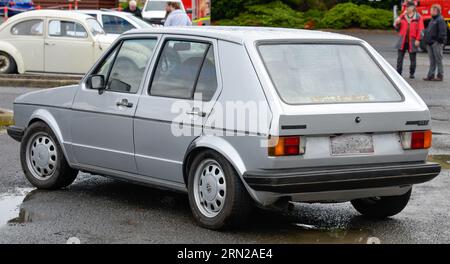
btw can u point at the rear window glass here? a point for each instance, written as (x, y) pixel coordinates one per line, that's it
(156, 5)
(326, 73)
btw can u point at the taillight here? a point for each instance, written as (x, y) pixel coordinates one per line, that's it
(287, 146)
(416, 139)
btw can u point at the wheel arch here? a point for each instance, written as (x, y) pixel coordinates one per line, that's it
(225, 149)
(42, 115)
(15, 54)
(217, 144)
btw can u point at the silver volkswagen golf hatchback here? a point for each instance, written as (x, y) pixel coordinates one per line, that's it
(235, 117)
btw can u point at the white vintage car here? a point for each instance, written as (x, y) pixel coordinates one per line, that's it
(114, 22)
(51, 41)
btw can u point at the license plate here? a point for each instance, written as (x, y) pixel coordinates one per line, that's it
(351, 144)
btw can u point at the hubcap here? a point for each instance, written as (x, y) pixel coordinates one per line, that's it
(41, 156)
(4, 63)
(209, 188)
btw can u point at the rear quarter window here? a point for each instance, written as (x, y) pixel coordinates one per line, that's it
(326, 73)
(32, 27)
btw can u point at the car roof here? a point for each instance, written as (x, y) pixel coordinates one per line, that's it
(104, 11)
(51, 13)
(243, 34)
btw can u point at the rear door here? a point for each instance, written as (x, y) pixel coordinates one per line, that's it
(176, 103)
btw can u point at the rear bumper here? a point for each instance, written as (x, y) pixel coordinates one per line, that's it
(15, 132)
(341, 178)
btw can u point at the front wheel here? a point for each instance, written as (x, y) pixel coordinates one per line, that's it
(382, 207)
(43, 160)
(217, 197)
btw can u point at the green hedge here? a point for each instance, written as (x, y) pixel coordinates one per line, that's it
(350, 15)
(278, 14)
(271, 14)
(228, 9)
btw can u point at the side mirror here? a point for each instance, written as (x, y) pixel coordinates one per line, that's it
(96, 82)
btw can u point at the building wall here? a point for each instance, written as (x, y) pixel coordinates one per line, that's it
(83, 4)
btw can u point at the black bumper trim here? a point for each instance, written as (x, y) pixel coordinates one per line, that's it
(338, 178)
(15, 132)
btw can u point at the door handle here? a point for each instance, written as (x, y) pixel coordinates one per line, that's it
(124, 102)
(49, 43)
(196, 111)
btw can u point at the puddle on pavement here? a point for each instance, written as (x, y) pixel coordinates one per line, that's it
(10, 211)
(444, 160)
(310, 234)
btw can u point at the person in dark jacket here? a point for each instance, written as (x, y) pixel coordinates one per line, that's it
(133, 9)
(410, 27)
(435, 37)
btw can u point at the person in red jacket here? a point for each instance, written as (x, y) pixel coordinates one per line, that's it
(410, 27)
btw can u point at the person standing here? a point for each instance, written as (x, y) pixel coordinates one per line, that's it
(435, 37)
(410, 27)
(133, 9)
(176, 17)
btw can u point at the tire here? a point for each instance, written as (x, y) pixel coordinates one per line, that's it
(42, 159)
(381, 207)
(7, 63)
(210, 174)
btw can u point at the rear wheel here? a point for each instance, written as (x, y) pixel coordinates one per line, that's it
(42, 159)
(382, 207)
(217, 197)
(7, 63)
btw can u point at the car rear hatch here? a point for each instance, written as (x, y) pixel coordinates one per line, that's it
(342, 105)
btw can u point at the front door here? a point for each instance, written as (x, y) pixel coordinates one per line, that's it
(68, 48)
(172, 111)
(102, 123)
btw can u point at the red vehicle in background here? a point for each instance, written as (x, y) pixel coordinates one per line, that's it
(154, 11)
(423, 8)
(199, 11)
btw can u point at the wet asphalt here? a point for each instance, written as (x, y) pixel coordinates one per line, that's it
(99, 210)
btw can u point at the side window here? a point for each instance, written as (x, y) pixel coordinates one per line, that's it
(92, 15)
(33, 27)
(105, 66)
(178, 68)
(59, 28)
(207, 80)
(115, 24)
(124, 68)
